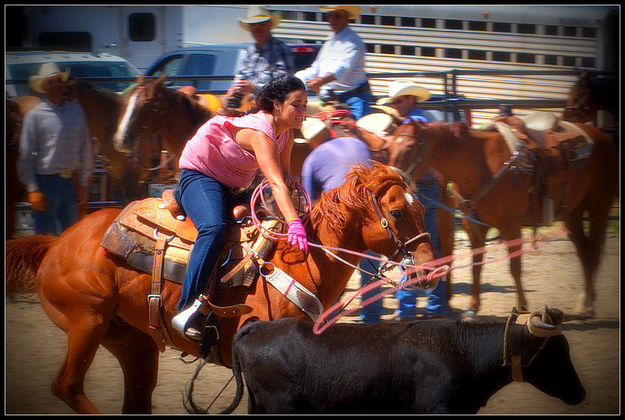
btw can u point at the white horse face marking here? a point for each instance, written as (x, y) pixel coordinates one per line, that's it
(120, 133)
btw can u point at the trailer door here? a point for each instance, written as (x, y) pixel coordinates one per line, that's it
(143, 34)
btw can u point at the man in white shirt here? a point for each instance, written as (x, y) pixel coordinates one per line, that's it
(339, 68)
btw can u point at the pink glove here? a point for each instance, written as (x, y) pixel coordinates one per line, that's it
(297, 234)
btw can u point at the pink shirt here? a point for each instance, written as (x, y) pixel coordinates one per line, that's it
(214, 152)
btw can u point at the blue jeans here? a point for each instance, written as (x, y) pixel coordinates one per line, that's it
(61, 210)
(358, 103)
(436, 303)
(205, 201)
(371, 313)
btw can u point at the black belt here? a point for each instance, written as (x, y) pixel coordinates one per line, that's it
(362, 89)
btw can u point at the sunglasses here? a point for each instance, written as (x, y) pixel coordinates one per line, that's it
(337, 15)
(53, 80)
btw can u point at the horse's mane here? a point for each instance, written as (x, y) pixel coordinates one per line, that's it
(355, 194)
(179, 100)
(82, 86)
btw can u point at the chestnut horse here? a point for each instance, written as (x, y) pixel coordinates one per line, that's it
(590, 94)
(472, 159)
(97, 299)
(153, 108)
(103, 109)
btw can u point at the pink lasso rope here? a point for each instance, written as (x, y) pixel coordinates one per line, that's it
(324, 323)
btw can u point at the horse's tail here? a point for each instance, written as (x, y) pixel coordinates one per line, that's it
(236, 372)
(23, 257)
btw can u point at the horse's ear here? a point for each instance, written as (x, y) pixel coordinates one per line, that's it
(161, 78)
(460, 129)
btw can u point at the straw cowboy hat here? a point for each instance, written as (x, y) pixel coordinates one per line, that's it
(46, 70)
(258, 14)
(352, 11)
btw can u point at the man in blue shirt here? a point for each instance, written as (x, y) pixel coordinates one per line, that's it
(325, 168)
(265, 59)
(404, 98)
(55, 142)
(339, 67)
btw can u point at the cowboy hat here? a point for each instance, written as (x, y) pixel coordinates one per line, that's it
(258, 14)
(311, 127)
(403, 88)
(377, 122)
(387, 110)
(539, 121)
(46, 70)
(352, 11)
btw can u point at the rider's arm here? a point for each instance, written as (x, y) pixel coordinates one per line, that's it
(269, 160)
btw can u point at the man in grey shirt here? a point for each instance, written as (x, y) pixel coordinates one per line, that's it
(55, 142)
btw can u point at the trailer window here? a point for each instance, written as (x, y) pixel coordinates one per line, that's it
(141, 27)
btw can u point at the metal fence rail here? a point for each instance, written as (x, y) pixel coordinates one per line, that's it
(448, 78)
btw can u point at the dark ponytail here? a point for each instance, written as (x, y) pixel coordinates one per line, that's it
(277, 90)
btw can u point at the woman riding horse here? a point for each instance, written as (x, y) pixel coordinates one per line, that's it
(225, 154)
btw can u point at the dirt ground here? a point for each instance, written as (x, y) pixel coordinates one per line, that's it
(34, 347)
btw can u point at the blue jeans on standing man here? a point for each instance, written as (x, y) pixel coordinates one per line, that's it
(371, 313)
(358, 103)
(205, 201)
(61, 205)
(428, 194)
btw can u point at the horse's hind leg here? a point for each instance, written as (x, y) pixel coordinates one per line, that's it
(84, 332)
(589, 248)
(138, 356)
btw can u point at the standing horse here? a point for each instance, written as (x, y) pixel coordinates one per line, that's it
(590, 94)
(96, 298)
(481, 165)
(103, 109)
(152, 108)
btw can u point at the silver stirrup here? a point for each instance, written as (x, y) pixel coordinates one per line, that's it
(179, 322)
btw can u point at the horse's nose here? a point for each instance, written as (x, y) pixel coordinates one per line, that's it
(120, 142)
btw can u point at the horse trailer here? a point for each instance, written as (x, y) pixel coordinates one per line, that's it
(399, 39)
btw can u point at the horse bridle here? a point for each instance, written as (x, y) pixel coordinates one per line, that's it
(401, 246)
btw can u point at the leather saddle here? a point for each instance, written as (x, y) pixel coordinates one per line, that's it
(154, 236)
(544, 146)
(547, 141)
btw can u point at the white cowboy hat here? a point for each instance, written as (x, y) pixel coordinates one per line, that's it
(46, 70)
(539, 121)
(311, 127)
(387, 109)
(403, 88)
(377, 122)
(352, 11)
(258, 14)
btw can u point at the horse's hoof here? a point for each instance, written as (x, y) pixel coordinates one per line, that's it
(469, 315)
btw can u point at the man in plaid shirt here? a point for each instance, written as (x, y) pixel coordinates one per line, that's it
(264, 60)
